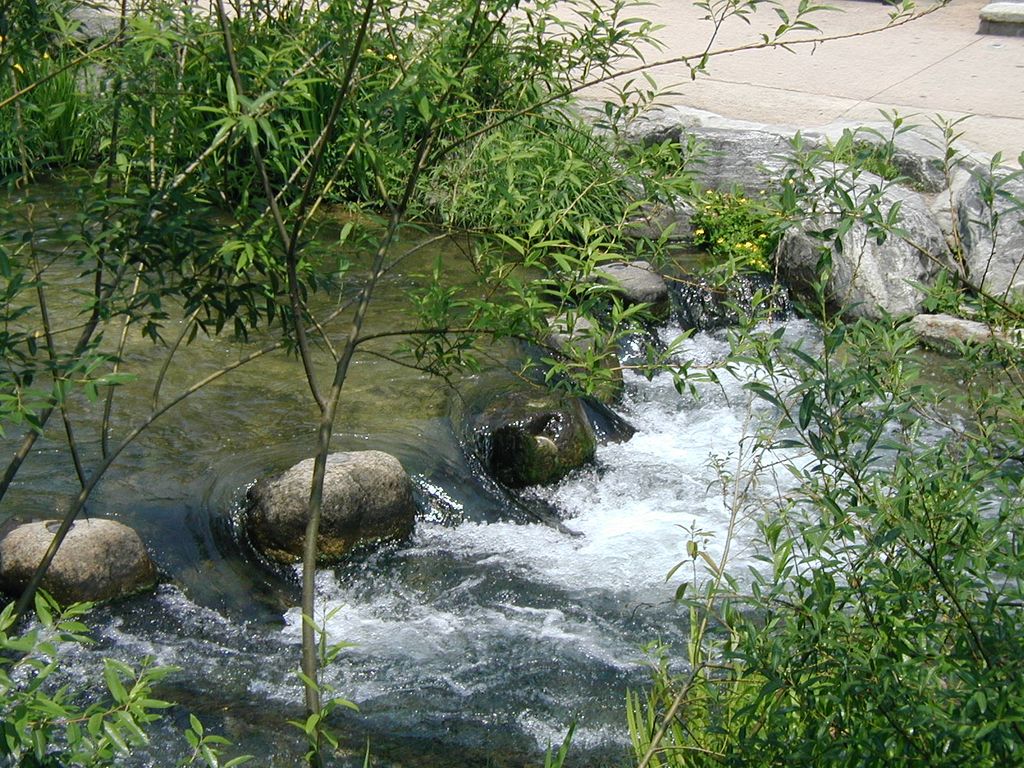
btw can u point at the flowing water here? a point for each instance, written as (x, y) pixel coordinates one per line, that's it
(476, 642)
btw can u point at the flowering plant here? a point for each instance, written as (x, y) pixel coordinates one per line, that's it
(739, 233)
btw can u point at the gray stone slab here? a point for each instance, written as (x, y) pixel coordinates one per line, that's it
(1006, 18)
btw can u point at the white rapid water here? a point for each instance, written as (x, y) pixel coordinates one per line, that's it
(476, 643)
(510, 627)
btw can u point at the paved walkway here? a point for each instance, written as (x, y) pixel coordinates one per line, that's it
(938, 65)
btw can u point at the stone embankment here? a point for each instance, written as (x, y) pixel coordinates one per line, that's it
(965, 216)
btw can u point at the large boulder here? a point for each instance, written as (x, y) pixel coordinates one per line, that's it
(94, 23)
(729, 153)
(739, 153)
(992, 235)
(98, 560)
(654, 221)
(869, 278)
(367, 499)
(524, 434)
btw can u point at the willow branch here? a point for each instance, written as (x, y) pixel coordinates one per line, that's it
(310, 662)
(686, 60)
(84, 340)
(108, 404)
(51, 350)
(165, 366)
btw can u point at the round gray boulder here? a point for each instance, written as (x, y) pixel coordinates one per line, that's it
(367, 499)
(637, 282)
(98, 560)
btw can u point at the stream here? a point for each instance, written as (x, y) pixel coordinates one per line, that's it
(476, 642)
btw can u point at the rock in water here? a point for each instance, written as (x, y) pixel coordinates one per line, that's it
(98, 560)
(529, 436)
(638, 283)
(700, 304)
(367, 499)
(946, 334)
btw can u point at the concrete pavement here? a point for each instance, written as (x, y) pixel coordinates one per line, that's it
(938, 65)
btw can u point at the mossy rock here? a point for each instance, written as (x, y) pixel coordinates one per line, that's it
(523, 434)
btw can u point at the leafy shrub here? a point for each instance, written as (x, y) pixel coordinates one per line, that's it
(45, 723)
(884, 627)
(57, 120)
(539, 169)
(872, 156)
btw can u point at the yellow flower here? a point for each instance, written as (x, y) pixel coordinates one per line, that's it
(698, 231)
(46, 55)
(18, 67)
(762, 236)
(720, 240)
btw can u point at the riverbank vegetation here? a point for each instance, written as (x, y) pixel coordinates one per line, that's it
(208, 145)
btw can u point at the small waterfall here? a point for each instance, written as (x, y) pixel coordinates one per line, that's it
(484, 628)
(703, 305)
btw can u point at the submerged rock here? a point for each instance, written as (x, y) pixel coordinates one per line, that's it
(524, 434)
(608, 426)
(99, 560)
(367, 499)
(700, 305)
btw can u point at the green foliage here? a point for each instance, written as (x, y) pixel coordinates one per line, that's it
(883, 627)
(208, 146)
(557, 759)
(315, 727)
(56, 120)
(208, 747)
(546, 169)
(44, 722)
(739, 233)
(871, 150)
